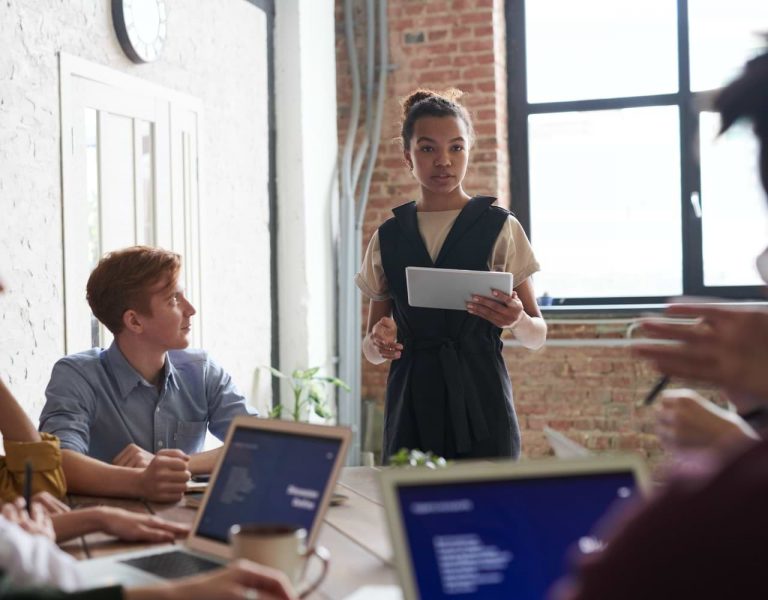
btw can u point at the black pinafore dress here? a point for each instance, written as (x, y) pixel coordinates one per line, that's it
(449, 392)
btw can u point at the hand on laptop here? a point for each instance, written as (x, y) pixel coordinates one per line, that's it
(165, 478)
(133, 456)
(241, 579)
(36, 523)
(129, 526)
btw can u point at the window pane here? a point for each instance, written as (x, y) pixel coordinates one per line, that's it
(734, 220)
(600, 48)
(145, 183)
(605, 202)
(723, 35)
(92, 200)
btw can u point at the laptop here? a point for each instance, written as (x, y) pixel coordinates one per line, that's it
(269, 471)
(565, 447)
(452, 288)
(499, 530)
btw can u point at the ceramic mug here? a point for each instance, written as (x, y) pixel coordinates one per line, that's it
(281, 547)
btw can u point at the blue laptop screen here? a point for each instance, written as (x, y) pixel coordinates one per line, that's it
(269, 477)
(502, 538)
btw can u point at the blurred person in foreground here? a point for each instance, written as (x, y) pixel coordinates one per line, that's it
(703, 538)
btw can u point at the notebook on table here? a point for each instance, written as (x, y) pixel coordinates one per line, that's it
(499, 530)
(270, 472)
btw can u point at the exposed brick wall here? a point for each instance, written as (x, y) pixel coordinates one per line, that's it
(588, 391)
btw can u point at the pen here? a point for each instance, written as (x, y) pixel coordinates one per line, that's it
(28, 486)
(656, 390)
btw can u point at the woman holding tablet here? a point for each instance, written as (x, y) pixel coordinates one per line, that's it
(448, 389)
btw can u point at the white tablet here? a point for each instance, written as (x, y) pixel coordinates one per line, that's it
(452, 288)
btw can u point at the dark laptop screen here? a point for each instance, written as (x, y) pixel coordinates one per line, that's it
(269, 477)
(502, 539)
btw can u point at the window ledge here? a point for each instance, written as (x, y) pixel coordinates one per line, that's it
(623, 311)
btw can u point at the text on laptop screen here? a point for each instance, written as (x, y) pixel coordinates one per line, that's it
(269, 477)
(503, 538)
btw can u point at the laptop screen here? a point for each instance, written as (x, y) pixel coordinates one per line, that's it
(502, 538)
(269, 477)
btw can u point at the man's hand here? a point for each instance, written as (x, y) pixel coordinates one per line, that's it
(502, 310)
(165, 478)
(687, 420)
(133, 456)
(729, 347)
(49, 503)
(383, 337)
(36, 523)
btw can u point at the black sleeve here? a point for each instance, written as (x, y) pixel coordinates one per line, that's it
(9, 592)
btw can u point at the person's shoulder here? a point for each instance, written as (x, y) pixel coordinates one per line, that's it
(493, 208)
(189, 357)
(398, 211)
(85, 360)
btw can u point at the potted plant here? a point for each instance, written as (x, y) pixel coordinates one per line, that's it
(309, 391)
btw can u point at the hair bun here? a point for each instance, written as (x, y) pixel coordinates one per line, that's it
(411, 99)
(451, 95)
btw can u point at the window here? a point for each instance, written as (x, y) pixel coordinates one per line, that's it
(129, 169)
(618, 174)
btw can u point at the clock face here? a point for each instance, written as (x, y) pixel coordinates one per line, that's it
(140, 27)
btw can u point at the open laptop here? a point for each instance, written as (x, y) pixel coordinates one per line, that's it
(270, 471)
(565, 447)
(499, 530)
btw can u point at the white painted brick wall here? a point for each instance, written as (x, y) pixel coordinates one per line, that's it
(215, 51)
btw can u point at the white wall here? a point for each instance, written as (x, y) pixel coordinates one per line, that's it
(307, 181)
(216, 52)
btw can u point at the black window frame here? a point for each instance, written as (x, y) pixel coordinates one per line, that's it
(690, 105)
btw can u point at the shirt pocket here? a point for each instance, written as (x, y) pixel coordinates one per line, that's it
(190, 435)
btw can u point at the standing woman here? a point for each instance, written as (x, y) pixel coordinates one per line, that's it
(448, 389)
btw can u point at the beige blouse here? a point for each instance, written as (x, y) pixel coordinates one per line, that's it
(512, 252)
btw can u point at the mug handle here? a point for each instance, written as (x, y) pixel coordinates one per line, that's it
(324, 556)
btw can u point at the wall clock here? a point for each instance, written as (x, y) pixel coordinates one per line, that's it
(141, 28)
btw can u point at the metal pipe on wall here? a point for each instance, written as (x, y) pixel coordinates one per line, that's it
(352, 212)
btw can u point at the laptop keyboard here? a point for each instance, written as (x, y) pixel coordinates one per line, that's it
(171, 565)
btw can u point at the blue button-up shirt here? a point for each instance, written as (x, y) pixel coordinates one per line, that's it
(97, 403)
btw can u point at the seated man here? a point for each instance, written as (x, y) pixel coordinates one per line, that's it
(146, 401)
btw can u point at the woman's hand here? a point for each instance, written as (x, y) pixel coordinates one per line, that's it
(51, 504)
(36, 523)
(502, 310)
(123, 524)
(383, 337)
(138, 527)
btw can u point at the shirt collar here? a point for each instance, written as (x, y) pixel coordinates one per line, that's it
(128, 378)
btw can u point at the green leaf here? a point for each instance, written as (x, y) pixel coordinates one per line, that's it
(335, 381)
(276, 412)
